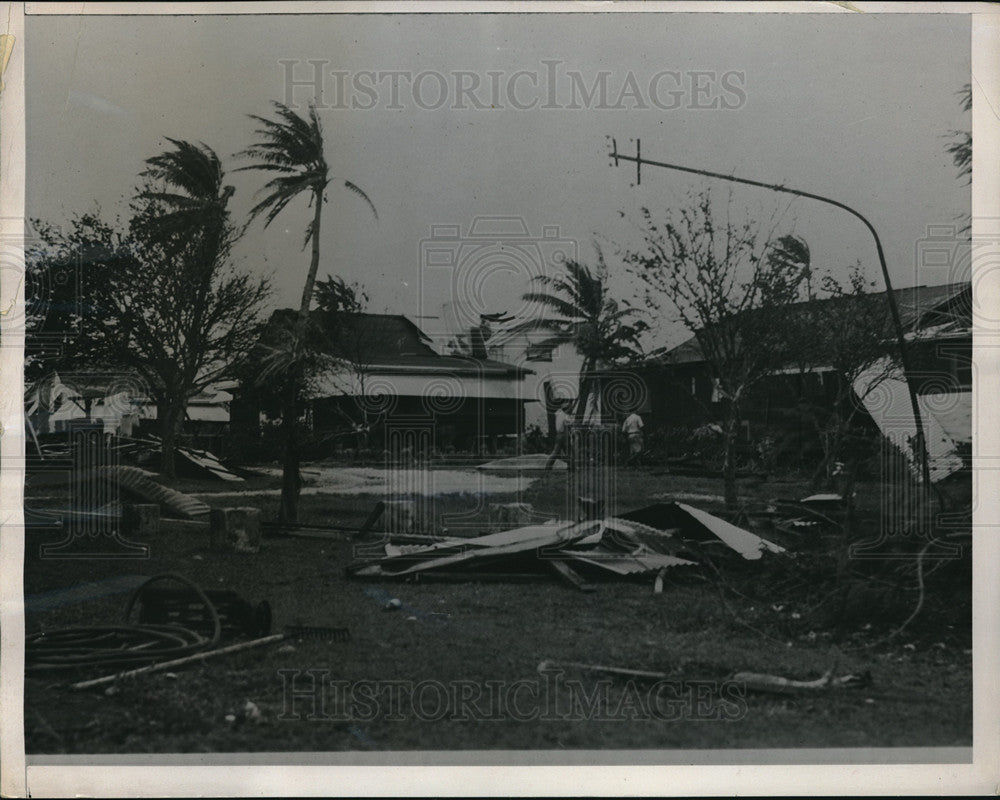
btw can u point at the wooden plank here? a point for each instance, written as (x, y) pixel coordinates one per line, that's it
(569, 575)
(371, 519)
(177, 662)
(631, 673)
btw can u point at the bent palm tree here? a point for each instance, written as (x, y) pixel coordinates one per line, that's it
(183, 216)
(590, 317)
(292, 146)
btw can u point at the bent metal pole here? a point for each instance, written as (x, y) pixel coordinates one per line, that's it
(921, 449)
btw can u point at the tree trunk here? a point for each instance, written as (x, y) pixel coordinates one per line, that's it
(729, 463)
(307, 290)
(171, 413)
(832, 445)
(849, 530)
(583, 395)
(550, 414)
(291, 481)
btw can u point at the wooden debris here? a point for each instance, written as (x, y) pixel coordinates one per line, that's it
(569, 575)
(776, 684)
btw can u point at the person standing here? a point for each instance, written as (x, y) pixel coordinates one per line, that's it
(561, 447)
(632, 428)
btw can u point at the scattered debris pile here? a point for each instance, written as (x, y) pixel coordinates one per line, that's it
(146, 452)
(190, 462)
(137, 483)
(647, 540)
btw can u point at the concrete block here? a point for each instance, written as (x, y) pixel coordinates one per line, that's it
(401, 516)
(235, 530)
(140, 519)
(511, 515)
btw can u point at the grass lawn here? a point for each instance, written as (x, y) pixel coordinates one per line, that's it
(457, 665)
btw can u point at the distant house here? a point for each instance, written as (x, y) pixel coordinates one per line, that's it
(117, 402)
(937, 324)
(552, 358)
(387, 373)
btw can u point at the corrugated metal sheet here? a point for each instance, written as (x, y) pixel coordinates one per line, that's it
(625, 563)
(947, 421)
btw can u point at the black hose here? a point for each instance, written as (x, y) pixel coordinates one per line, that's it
(126, 644)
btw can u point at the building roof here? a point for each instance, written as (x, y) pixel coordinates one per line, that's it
(947, 306)
(379, 336)
(459, 365)
(391, 343)
(536, 329)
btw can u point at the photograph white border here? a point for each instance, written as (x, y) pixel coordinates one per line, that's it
(753, 772)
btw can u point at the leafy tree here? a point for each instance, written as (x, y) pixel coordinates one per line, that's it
(729, 280)
(293, 147)
(63, 270)
(160, 296)
(334, 296)
(181, 219)
(603, 330)
(848, 332)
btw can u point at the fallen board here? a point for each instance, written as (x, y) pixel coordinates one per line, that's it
(208, 462)
(495, 545)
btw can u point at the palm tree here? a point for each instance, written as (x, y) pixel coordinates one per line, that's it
(292, 146)
(592, 319)
(182, 216)
(199, 198)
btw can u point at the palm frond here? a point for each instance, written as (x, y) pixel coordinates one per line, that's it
(195, 169)
(360, 193)
(558, 304)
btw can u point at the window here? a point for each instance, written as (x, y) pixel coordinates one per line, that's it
(539, 352)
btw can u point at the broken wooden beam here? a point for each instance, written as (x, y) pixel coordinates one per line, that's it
(569, 575)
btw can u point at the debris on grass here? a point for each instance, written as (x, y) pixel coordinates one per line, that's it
(823, 498)
(750, 681)
(699, 526)
(776, 684)
(526, 462)
(136, 481)
(549, 666)
(647, 540)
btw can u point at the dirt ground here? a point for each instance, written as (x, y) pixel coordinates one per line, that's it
(462, 665)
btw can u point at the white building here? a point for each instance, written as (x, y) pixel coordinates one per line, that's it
(555, 365)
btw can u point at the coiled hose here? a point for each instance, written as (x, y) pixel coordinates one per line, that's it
(80, 647)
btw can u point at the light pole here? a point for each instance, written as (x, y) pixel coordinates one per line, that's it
(921, 449)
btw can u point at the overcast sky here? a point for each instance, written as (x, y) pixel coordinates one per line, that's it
(856, 107)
